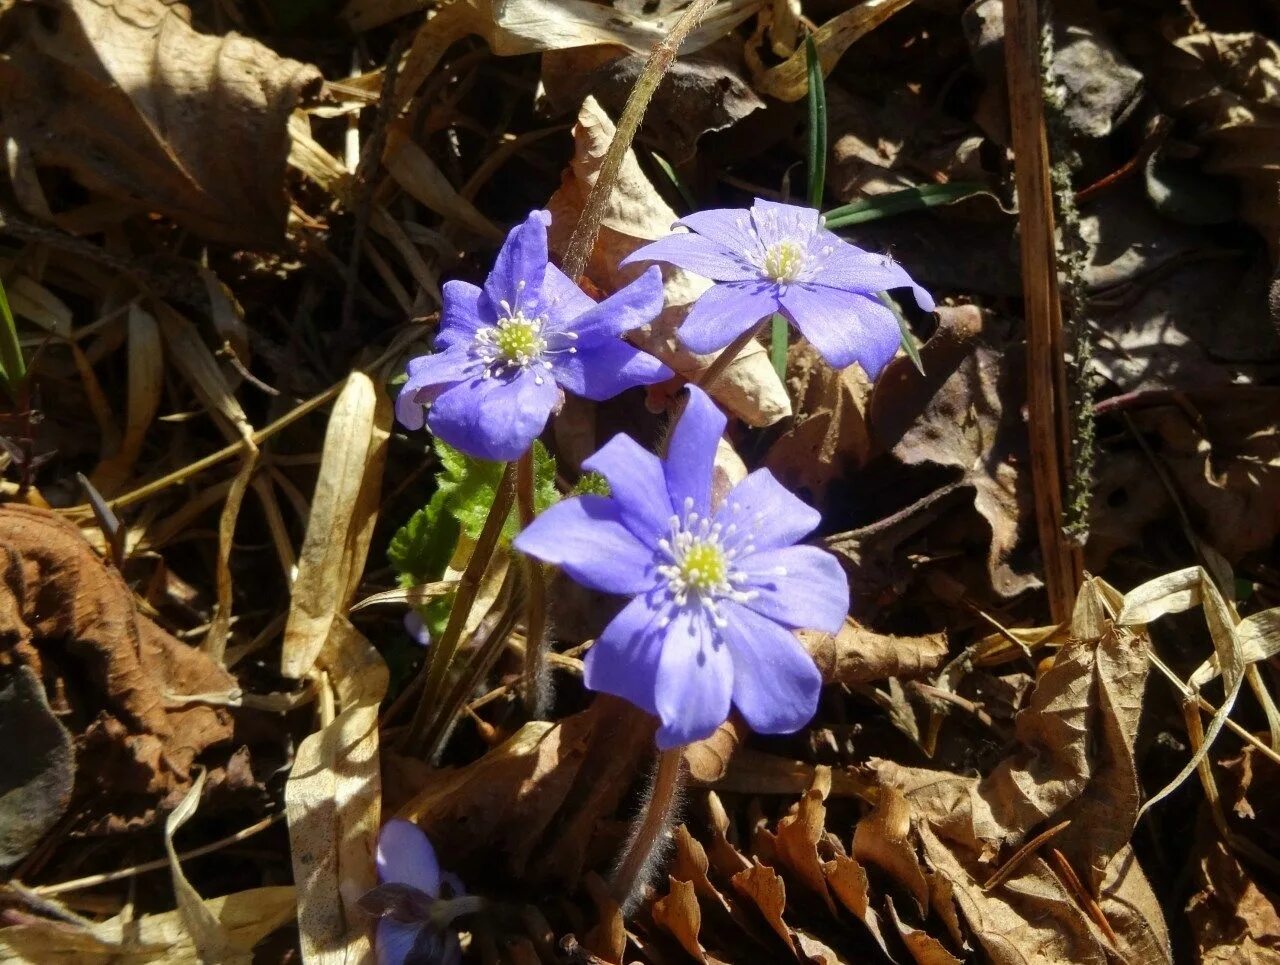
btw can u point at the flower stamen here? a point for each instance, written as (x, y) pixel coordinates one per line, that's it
(783, 261)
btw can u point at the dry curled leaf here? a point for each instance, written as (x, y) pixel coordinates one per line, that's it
(1234, 920)
(857, 655)
(635, 214)
(138, 105)
(680, 915)
(1075, 763)
(71, 618)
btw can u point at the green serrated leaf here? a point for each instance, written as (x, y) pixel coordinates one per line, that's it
(897, 202)
(591, 484)
(465, 489)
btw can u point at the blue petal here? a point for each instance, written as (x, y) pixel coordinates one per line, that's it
(417, 628)
(730, 228)
(691, 453)
(638, 486)
(851, 268)
(844, 327)
(724, 312)
(562, 300)
(405, 857)
(395, 941)
(588, 539)
(460, 317)
(624, 659)
(428, 375)
(495, 419)
(636, 304)
(798, 586)
(695, 679)
(776, 222)
(603, 370)
(767, 512)
(522, 259)
(775, 682)
(698, 254)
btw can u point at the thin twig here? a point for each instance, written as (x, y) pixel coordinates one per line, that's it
(92, 881)
(660, 60)
(1006, 870)
(1047, 400)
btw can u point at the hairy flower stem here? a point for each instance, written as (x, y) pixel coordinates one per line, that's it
(443, 651)
(648, 836)
(660, 60)
(536, 677)
(712, 373)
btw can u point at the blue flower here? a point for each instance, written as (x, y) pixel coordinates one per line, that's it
(780, 258)
(415, 902)
(717, 591)
(507, 350)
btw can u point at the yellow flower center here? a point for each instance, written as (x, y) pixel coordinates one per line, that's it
(518, 339)
(783, 261)
(704, 567)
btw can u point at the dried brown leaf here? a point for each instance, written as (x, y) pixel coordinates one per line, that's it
(857, 655)
(701, 93)
(883, 839)
(795, 843)
(69, 614)
(246, 916)
(965, 413)
(680, 915)
(1234, 920)
(924, 948)
(764, 888)
(138, 105)
(829, 437)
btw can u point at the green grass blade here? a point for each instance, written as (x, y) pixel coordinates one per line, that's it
(817, 124)
(12, 367)
(897, 202)
(908, 340)
(676, 181)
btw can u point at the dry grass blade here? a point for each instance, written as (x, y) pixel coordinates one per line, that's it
(411, 595)
(1176, 593)
(146, 384)
(788, 81)
(343, 511)
(213, 942)
(334, 801)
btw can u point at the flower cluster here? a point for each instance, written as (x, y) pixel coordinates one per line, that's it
(717, 591)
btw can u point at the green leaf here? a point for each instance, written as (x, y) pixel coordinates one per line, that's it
(897, 202)
(591, 484)
(420, 549)
(465, 489)
(817, 123)
(676, 181)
